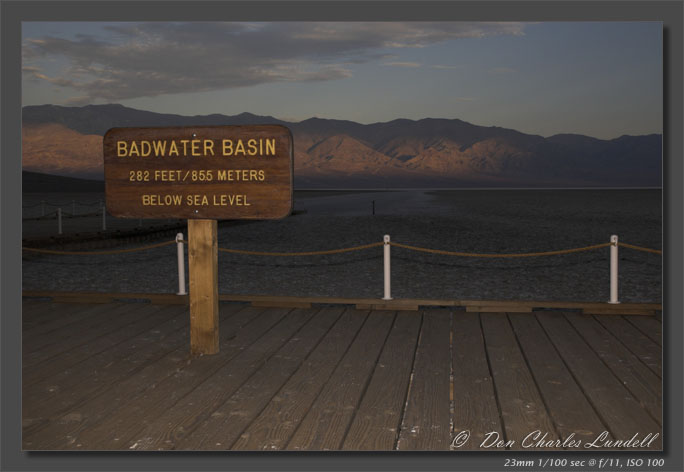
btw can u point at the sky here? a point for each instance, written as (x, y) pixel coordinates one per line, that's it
(600, 79)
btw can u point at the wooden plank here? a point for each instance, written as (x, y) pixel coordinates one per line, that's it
(225, 424)
(376, 423)
(274, 427)
(572, 414)
(325, 425)
(203, 271)
(40, 313)
(651, 327)
(149, 318)
(386, 307)
(56, 316)
(556, 304)
(34, 303)
(425, 425)
(34, 312)
(632, 373)
(475, 404)
(499, 309)
(283, 304)
(618, 311)
(167, 427)
(84, 299)
(644, 348)
(61, 388)
(78, 428)
(522, 407)
(619, 410)
(67, 320)
(137, 416)
(335, 300)
(51, 344)
(172, 298)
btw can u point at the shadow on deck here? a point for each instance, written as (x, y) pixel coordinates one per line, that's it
(118, 376)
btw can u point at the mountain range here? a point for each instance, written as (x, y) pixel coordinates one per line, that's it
(336, 153)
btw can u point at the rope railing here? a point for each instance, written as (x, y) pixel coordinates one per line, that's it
(386, 243)
(98, 253)
(308, 253)
(528, 254)
(358, 248)
(639, 248)
(53, 214)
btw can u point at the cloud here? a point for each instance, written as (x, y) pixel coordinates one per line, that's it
(132, 60)
(446, 67)
(402, 64)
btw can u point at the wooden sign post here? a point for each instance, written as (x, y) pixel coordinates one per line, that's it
(203, 257)
(201, 173)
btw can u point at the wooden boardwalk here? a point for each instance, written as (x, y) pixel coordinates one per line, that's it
(118, 376)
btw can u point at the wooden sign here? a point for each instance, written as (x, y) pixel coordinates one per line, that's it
(199, 172)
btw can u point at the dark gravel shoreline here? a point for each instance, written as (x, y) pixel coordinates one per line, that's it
(485, 222)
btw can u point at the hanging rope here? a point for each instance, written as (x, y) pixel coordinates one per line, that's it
(639, 248)
(529, 254)
(98, 253)
(309, 253)
(354, 248)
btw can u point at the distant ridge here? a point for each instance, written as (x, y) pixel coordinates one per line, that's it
(97, 119)
(431, 152)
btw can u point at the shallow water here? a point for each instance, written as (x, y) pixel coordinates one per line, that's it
(477, 221)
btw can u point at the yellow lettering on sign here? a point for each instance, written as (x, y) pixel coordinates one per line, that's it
(208, 147)
(133, 149)
(161, 200)
(121, 149)
(173, 149)
(252, 148)
(230, 200)
(196, 147)
(195, 144)
(239, 148)
(145, 148)
(159, 147)
(227, 147)
(185, 142)
(270, 147)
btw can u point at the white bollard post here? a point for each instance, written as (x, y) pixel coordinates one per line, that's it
(104, 218)
(614, 269)
(181, 265)
(59, 221)
(386, 260)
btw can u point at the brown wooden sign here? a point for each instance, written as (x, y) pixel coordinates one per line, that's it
(200, 172)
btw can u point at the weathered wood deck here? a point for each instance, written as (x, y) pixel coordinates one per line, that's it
(119, 376)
